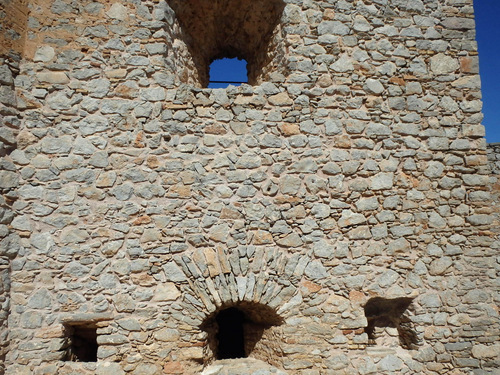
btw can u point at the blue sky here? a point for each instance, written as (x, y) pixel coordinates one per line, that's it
(488, 37)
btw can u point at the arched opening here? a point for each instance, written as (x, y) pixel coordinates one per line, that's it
(225, 72)
(242, 330)
(389, 323)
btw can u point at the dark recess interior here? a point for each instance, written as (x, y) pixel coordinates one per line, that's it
(236, 331)
(82, 343)
(231, 334)
(384, 312)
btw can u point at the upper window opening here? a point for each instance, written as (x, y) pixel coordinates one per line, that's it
(246, 29)
(225, 72)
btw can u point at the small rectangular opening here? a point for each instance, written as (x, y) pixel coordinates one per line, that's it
(82, 342)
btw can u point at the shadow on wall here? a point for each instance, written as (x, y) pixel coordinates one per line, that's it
(389, 323)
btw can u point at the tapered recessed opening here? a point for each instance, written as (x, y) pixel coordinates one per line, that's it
(243, 29)
(82, 342)
(389, 323)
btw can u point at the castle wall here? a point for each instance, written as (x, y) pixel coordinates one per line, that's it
(13, 18)
(356, 169)
(494, 162)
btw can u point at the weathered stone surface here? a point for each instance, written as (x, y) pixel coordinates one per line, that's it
(53, 77)
(44, 54)
(484, 351)
(443, 64)
(109, 368)
(117, 11)
(8, 179)
(167, 292)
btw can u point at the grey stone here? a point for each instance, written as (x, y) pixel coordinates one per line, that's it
(43, 242)
(123, 303)
(390, 363)
(153, 94)
(6, 77)
(443, 64)
(22, 223)
(374, 86)
(316, 271)
(320, 211)
(76, 269)
(343, 64)
(8, 179)
(113, 339)
(118, 11)
(290, 185)
(53, 77)
(173, 273)
(93, 124)
(440, 266)
(44, 53)
(249, 161)
(388, 278)
(291, 240)
(350, 218)
(367, 204)
(41, 299)
(84, 147)
(31, 319)
(382, 181)
(109, 368)
(332, 27)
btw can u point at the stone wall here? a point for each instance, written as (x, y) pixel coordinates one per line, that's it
(9, 181)
(342, 204)
(13, 16)
(494, 162)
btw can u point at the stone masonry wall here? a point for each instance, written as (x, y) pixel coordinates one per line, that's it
(9, 180)
(494, 162)
(13, 18)
(343, 204)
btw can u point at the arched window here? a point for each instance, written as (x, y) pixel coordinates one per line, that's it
(241, 330)
(225, 72)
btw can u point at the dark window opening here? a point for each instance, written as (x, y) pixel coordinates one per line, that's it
(242, 330)
(225, 72)
(389, 317)
(230, 335)
(82, 343)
